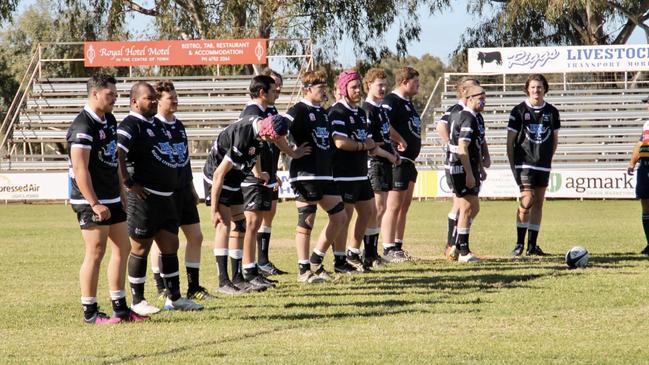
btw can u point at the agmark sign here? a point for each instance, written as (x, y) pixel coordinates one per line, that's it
(604, 58)
(175, 53)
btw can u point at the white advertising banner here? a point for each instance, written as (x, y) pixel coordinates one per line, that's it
(34, 186)
(597, 184)
(517, 60)
(563, 184)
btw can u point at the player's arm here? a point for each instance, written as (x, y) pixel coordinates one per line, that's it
(513, 126)
(442, 128)
(294, 153)
(402, 145)
(463, 155)
(258, 172)
(635, 156)
(217, 185)
(348, 144)
(486, 156)
(80, 156)
(555, 132)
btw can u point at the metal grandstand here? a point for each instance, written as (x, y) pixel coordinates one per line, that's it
(601, 114)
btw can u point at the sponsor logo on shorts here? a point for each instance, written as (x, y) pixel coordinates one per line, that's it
(140, 231)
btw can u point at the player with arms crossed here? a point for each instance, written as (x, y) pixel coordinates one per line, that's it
(146, 145)
(311, 178)
(465, 166)
(97, 199)
(406, 123)
(641, 154)
(532, 139)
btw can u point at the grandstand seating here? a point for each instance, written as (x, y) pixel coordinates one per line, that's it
(599, 126)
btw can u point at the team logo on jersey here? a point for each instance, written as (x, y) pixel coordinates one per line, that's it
(546, 118)
(108, 154)
(321, 137)
(168, 134)
(312, 117)
(150, 132)
(415, 125)
(527, 116)
(360, 134)
(183, 134)
(251, 151)
(537, 133)
(407, 107)
(351, 120)
(181, 152)
(164, 153)
(102, 134)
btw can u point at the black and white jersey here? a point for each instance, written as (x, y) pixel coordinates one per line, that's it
(99, 136)
(181, 147)
(309, 123)
(149, 152)
(405, 120)
(464, 127)
(350, 123)
(453, 108)
(238, 144)
(377, 118)
(269, 156)
(534, 128)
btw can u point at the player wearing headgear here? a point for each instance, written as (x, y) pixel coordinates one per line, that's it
(96, 198)
(353, 139)
(442, 130)
(311, 177)
(381, 160)
(465, 166)
(264, 233)
(185, 196)
(532, 139)
(641, 154)
(232, 157)
(146, 145)
(406, 124)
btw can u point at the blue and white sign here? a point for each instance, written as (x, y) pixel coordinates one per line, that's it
(517, 60)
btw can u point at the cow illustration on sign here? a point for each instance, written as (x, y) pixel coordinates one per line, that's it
(490, 57)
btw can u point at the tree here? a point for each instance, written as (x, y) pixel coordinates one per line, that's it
(559, 22)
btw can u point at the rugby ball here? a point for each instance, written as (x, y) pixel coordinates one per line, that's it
(577, 257)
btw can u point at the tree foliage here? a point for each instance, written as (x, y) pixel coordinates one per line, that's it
(509, 23)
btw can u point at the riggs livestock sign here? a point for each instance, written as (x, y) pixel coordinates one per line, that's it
(603, 58)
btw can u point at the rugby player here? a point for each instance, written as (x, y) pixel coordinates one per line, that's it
(442, 130)
(97, 199)
(380, 164)
(352, 138)
(532, 139)
(264, 233)
(641, 154)
(311, 178)
(406, 123)
(465, 166)
(146, 145)
(233, 155)
(185, 196)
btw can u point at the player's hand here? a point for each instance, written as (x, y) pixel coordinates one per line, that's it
(217, 218)
(483, 174)
(301, 151)
(279, 182)
(139, 191)
(397, 159)
(369, 144)
(486, 162)
(101, 211)
(402, 146)
(470, 181)
(630, 170)
(264, 177)
(124, 199)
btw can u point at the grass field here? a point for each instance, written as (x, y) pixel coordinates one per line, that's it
(430, 311)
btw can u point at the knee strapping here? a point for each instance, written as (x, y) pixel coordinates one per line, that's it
(303, 214)
(338, 208)
(240, 225)
(525, 204)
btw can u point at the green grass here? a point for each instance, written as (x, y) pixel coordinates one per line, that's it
(430, 311)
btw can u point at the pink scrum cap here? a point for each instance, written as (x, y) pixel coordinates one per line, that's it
(273, 126)
(345, 78)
